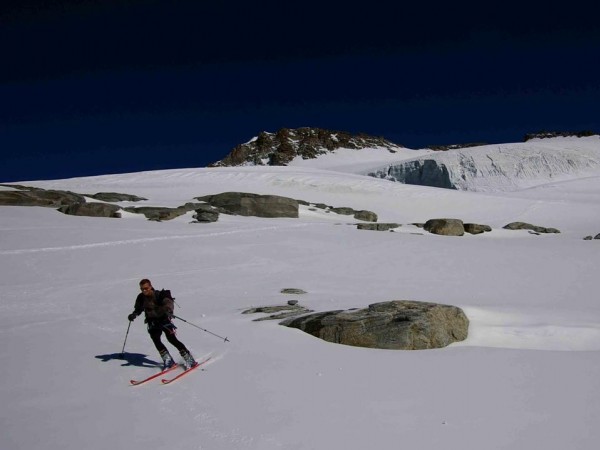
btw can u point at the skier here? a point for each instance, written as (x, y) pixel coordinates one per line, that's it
(158, 306)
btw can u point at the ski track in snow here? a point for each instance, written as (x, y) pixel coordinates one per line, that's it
(146, 240)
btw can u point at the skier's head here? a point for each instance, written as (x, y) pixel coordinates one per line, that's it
(146, 287)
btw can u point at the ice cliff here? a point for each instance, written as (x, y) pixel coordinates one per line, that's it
(504, 167)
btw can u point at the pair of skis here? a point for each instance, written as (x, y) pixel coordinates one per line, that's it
(170, 369)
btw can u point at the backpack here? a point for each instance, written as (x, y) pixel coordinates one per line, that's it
(162, 294)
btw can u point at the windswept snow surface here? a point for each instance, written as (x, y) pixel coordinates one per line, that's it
(527, 376)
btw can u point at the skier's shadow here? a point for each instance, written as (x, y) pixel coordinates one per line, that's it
(130, 359)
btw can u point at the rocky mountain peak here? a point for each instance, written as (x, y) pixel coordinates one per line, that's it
(278, 149)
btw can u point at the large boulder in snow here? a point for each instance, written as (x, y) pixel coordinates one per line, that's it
(92, 209)
(247, 204)
(446, 227)
(398, 325)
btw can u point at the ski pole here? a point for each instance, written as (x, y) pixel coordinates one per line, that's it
(200, 328)
(126, 334)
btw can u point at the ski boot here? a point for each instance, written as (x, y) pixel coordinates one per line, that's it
(167, 359)
(188, 360)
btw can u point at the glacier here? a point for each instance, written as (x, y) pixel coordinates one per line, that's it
(499, 167)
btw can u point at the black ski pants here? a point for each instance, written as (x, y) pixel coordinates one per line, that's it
(159, 326)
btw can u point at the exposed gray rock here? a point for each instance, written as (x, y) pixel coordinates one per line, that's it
(367, 216)
(400, 325)
(343, 210)
(588, 238)
(528, 226)
(39, 197)
(116, 197)
(157, 213)
(91, 209)
(206, 214)
(377, 226)
(475, 228)
(278, 312)
(446, 227)
(597, 236)
(247, 204)
(364, 215)
(293, 291)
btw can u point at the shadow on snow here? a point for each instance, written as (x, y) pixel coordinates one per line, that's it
(130, 359)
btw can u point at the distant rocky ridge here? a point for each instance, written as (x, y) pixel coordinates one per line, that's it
(444, 148)
(553, 134)
(278, 149)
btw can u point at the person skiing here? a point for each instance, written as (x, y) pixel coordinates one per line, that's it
(158, 307)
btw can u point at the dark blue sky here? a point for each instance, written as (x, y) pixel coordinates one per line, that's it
(100, 86)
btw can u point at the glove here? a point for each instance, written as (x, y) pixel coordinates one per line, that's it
(132, 316)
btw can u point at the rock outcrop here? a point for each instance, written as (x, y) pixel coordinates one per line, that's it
(158, 213)
(247, 204)
(528, 226)
(445, 227)
(91, 209)
(116, 197)
(475, 228)
(363, 214)
(377, 226)
(278, 312)
(278, 149)
(399, 325)
(553, 134)
(39, 197)
(206, 214)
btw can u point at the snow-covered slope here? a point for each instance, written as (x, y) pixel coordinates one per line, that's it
(526, 377)
(501, 167)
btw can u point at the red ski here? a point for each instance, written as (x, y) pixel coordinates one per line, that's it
(152, 377)
(185, 372)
